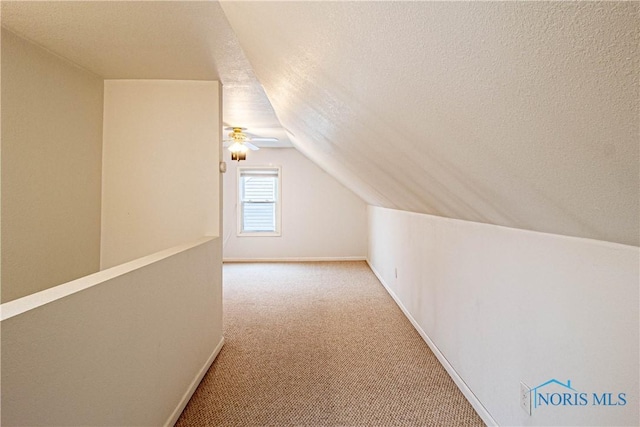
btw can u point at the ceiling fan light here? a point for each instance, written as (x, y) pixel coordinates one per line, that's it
(238, 151)
(238, 147)
(238, 156)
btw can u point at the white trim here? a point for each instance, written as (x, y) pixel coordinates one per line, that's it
(297, 259)
(173, 418)
(278, 230)
(464, 388)
(38, 299)
(260, 233)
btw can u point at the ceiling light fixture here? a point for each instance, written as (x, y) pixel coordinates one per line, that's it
(239, 145)
(240, 142)
(238, 151)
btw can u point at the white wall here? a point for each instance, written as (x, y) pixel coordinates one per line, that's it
(126, 346)
(505, 305)
(160, 165)
(51, 166)
(321, 219)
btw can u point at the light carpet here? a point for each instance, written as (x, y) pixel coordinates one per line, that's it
(321, 344)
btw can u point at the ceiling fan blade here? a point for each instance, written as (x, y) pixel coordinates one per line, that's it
(251, 146)
(261, 139)
(253, 137)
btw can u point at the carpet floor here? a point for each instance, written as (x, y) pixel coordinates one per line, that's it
(321, 344)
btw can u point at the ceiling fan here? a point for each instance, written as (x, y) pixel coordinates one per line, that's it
(239, 142)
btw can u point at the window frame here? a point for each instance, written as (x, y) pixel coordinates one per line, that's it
(278, 202)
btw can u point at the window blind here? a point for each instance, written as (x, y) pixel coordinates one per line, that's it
(258, 198)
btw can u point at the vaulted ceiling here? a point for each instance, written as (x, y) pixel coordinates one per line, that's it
(521, 114)
(189, 40)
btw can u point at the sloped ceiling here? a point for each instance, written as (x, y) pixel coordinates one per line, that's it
(522, 114)
(188, 40)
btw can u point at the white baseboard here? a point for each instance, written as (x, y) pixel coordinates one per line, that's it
(457, 379)
(299, 259)
(193, 386)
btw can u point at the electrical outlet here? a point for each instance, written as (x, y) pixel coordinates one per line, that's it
(525, 398)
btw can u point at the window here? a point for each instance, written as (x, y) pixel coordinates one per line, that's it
(259, 201)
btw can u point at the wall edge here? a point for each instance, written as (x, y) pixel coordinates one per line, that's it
(457, 379)
(173, 418)
(296, 259)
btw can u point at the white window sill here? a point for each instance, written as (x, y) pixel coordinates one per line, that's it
(260, 234)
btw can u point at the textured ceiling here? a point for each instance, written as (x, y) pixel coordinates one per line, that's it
(522, 114)
(189, 40)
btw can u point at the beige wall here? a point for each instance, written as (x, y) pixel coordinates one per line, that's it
(123, 347)
(51, 167)
(321, 219)
(160, 166)
(501, 305)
